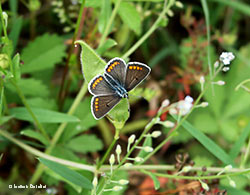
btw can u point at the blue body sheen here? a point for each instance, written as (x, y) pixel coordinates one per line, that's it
(117, 87)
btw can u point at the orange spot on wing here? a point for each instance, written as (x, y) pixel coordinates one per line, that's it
(134, 67)
(97, 99)
(130, 67)
(138, 67)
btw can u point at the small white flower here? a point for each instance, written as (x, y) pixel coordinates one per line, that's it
(165, 103)
(156, 134)
(226, 57)
(123, 181)
(185, 105)
(225, 69)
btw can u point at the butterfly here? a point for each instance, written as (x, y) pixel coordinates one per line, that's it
(118, 79)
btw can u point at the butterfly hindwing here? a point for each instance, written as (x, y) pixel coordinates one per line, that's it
(135, 74)
(116, 68)
(101, 105)
(99, 86)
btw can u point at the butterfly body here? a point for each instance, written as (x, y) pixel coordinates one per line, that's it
(118, 79)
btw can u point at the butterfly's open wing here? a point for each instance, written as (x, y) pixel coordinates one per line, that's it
(99, 86)
(135, 74)
(101, 105)
(116, 68)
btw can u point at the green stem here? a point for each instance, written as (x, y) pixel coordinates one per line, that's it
(112, 17)
(241, 84)
(38, 124)
(246, 156)
(197, 177)
(59, 132)
(46, 156)
(105, 131)
(150, 31)
(116, 137)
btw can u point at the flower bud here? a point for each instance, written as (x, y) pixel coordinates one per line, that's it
(170, 13)
(148, 149)
(232, 183)
(179, 4)
(202, 79)
(95, 181)
(165, 103)
(172, 111)
(5, 18)
(118, 149)
(4, 61)
(228, 167)
(131, 139)
(116, 188)
(216, 64)
(204, 186)
(168, 124)
(225, 69)
(156, 134)
(123, 181)
(186, 169)
(220, 82)
(112, 159)
(127, 164)
(204, 104)
(138, 159)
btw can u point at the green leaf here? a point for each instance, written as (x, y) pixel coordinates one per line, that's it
(209, 144)
(16, 66)
(83, 112)
(36, 135)
(4, 119)
(205, 122)
(43, 53)
(107, 45)
(93, 3)
(43, 115)
(130, 16)
(92, 65)
(85, 143)
(70, 175)
(104, 15)
(155, 180)
(16, 30)
(229, 129)
(55, 176)
(30, 87)
(235, 150)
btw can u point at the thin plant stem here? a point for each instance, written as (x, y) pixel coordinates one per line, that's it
(116, 137)
(150, 31)
(241, 84)
(46, 156)
(246, 155)
(110, 22)
(38, 124)
(78, 23)
(198, 177)
(59, 132)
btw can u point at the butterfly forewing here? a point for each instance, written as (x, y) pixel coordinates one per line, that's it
(116, 68)
(136, 73)
(101, 105)
(99, 86)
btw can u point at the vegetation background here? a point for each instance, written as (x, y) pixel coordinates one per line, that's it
(45, 116)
